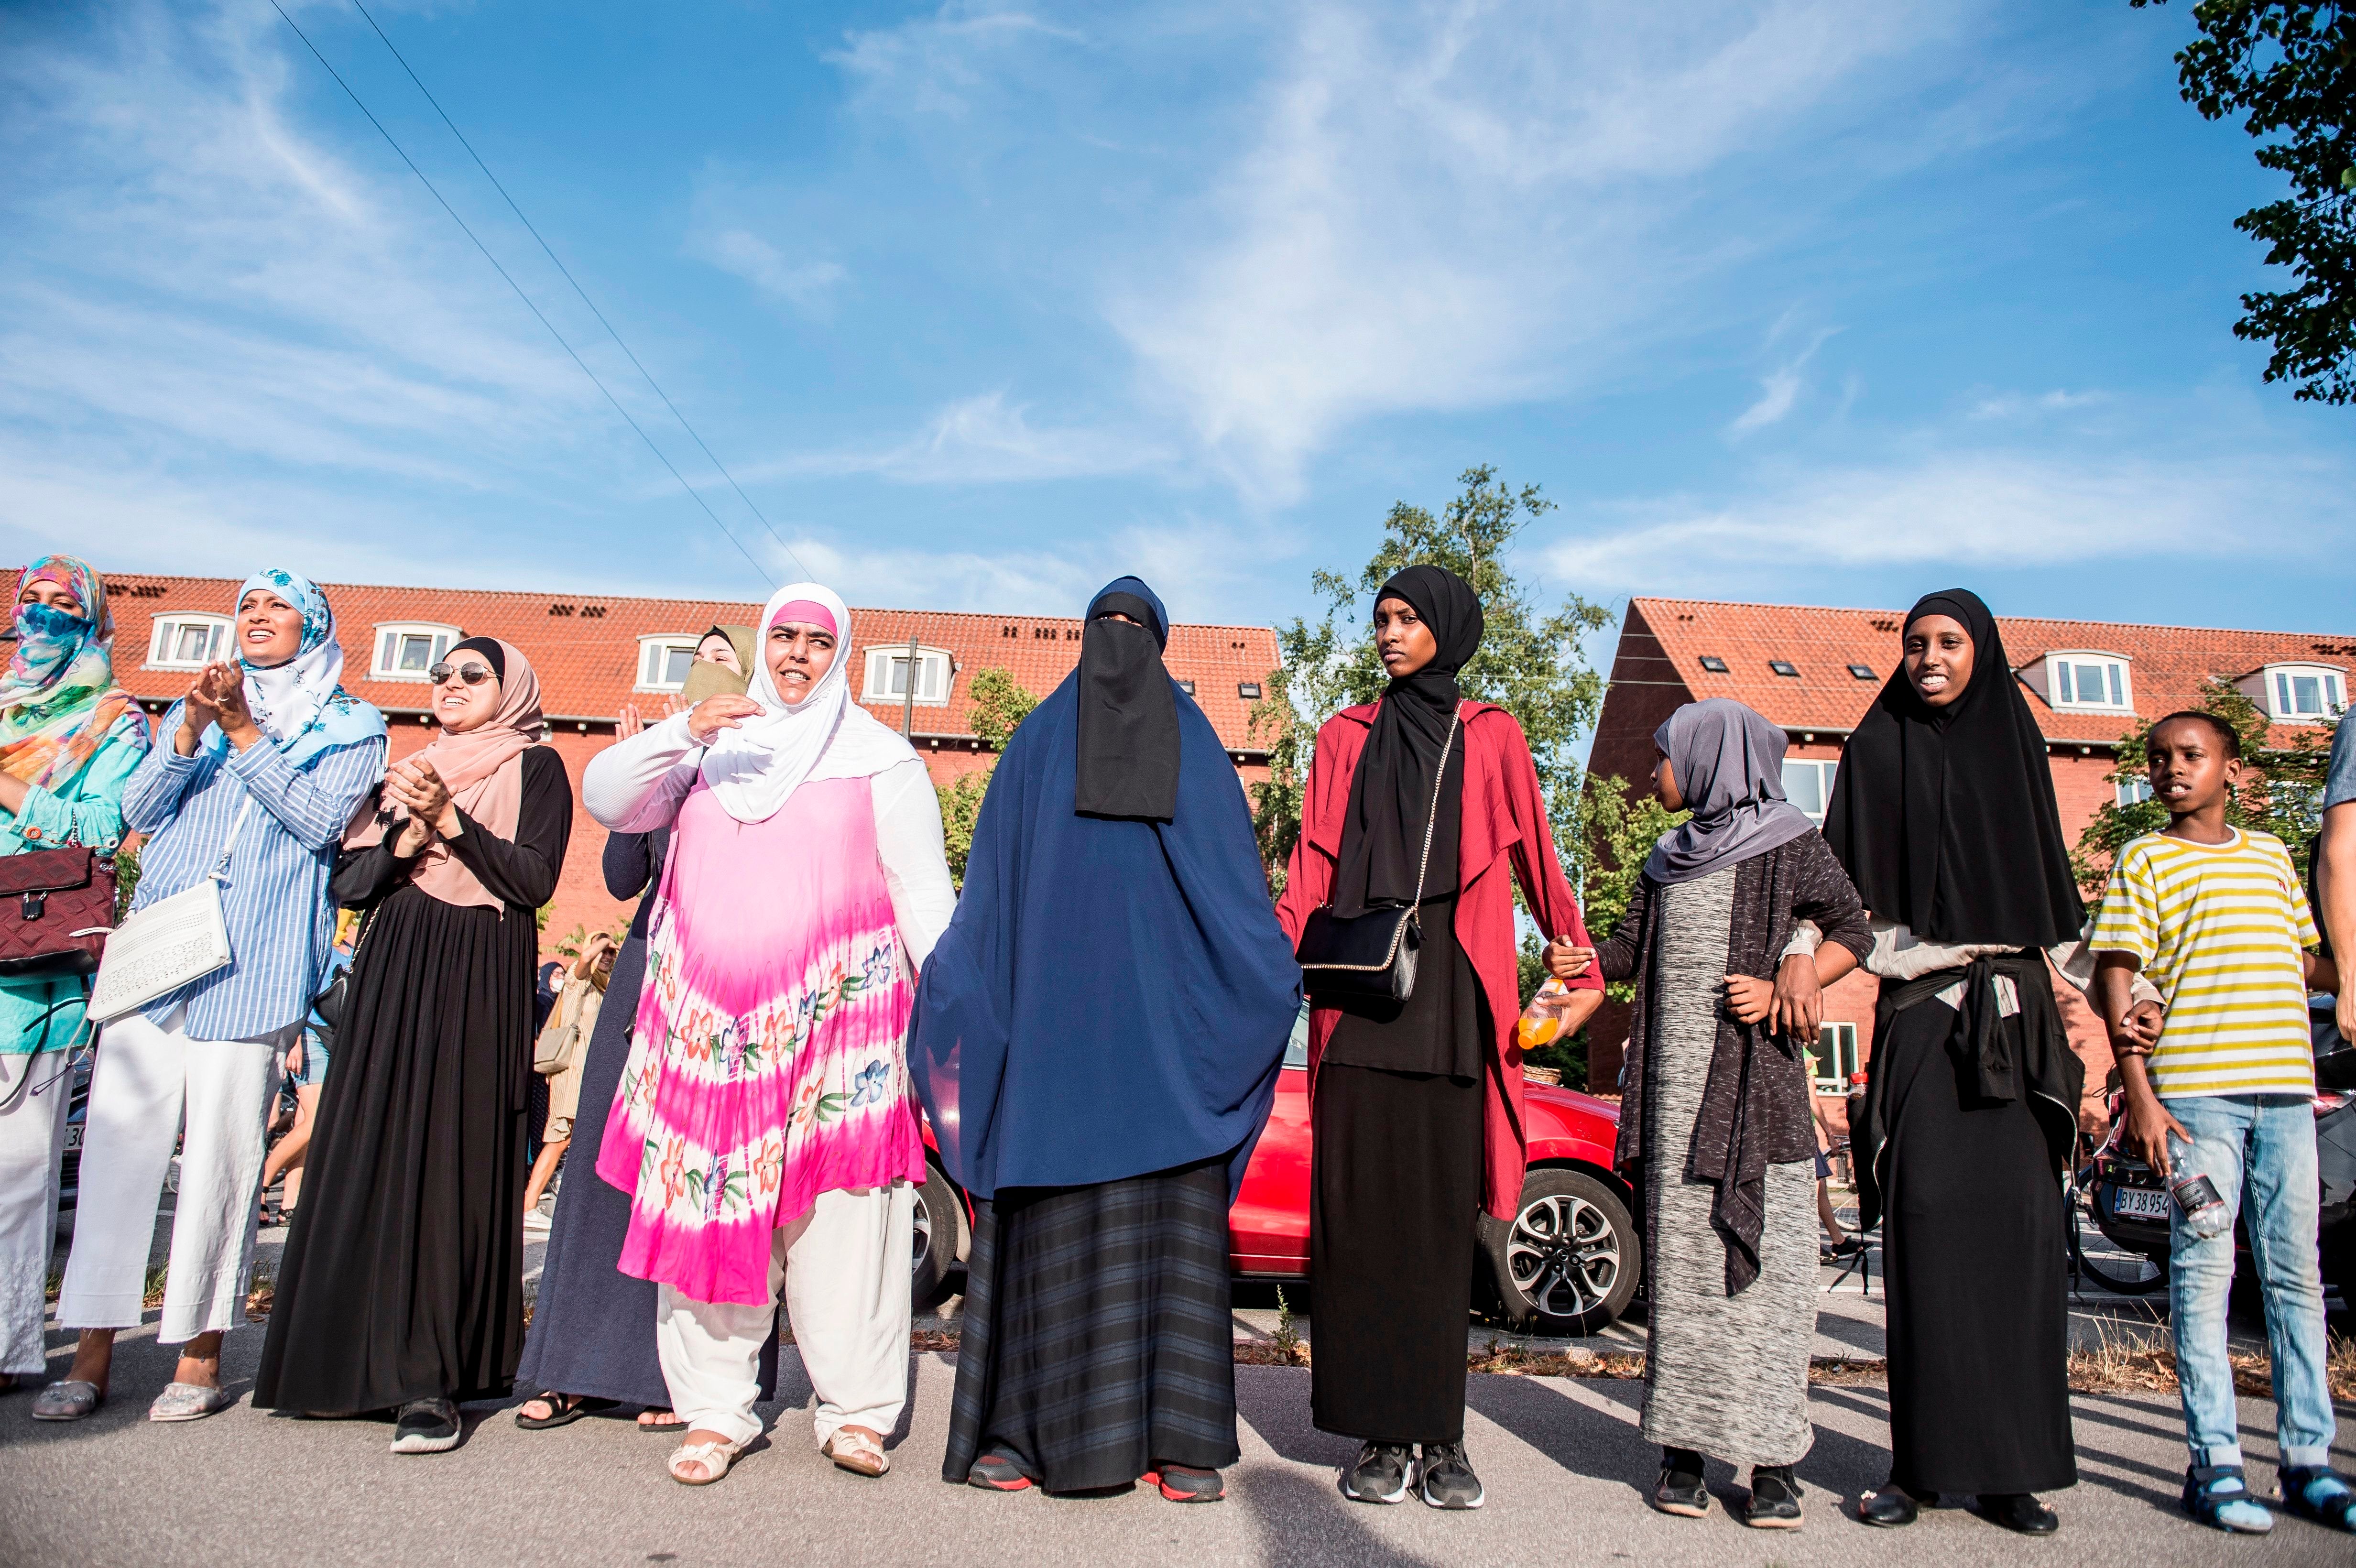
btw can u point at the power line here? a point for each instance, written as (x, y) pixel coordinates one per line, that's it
(577, 289)
(693, 493)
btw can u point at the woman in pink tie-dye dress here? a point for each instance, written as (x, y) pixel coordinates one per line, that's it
(765, 1125)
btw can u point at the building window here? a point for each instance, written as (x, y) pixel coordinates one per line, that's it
(1784, 667)
(1809, 786)
(2082, 680)
(1713, 664)
(187, 642)
(2133, 791)
(1862, 671)
(663, 662)
(1187, 687)
(407, 651)
(2301, 693)
(1837, 1060)
(887, 676)
(1249, 688)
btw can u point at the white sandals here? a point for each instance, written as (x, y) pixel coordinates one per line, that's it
(715, 1459)
(857, 1450)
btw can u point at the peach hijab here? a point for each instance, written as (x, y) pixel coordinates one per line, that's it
(484, 771)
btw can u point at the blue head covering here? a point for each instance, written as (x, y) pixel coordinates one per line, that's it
(1114, 994)
(300, 705)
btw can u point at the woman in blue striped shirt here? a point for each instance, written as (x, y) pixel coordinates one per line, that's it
(269, 759)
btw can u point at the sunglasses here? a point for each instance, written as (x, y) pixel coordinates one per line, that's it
(471, 674)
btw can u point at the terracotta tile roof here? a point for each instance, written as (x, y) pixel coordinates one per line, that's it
(2167, 663)
(585, 647)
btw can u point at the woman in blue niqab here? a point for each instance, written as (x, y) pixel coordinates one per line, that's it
(1097, 1041)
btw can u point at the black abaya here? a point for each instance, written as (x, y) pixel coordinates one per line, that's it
(403, 1275)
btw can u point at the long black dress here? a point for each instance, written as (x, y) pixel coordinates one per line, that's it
(592, 1326)
(403, 1275)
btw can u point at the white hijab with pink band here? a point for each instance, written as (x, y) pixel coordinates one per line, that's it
(753, 768)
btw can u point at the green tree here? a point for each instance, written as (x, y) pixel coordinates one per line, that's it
(2287, 69)
(1000, 706)
(2278, 794)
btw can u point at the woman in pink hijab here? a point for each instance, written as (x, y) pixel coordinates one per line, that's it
(402, 1288)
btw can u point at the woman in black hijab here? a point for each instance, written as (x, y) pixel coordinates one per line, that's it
(1417, 1105)
(1943, 814)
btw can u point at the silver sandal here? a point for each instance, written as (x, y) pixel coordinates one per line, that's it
(189, 1401)
(69, 1400)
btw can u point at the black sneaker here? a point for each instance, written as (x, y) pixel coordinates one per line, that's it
(1380, 1473)
(1445, 1477)
(1774, 1498)
(426, 1426)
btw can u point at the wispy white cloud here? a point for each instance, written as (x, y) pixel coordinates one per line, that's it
(1778, 390)
(808, 287)
(2013, 405)
(939, 64)
(982, 440)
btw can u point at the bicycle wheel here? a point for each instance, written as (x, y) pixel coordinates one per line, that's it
(2119, 1270)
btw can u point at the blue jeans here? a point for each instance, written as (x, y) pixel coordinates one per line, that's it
(2259, 1149)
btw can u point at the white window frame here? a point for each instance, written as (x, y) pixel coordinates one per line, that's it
(384, 648)
(2059, 680)
(2275, 692)
(653, 649)
(1837, 1049)
(1826, 767)
(936, 673)
(167, 632)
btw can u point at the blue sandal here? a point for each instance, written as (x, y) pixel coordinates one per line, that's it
(2219, 1498)
(2313, 1491)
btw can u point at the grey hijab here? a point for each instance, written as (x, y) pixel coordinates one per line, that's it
(1728, 764)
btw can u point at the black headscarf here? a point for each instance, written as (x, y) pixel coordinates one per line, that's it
(486, 647)
(1945, 816)
(1128, 709)
(1391, 793)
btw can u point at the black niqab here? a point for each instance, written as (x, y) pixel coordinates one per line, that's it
(1391, 794)
(1128, 709)
(1945, 816)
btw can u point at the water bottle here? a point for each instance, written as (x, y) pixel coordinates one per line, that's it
(2203, 1207)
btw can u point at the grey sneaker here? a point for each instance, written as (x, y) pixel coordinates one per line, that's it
(189, 1401)
(1379, 1475)
(1445, 1477)
(426, 1426)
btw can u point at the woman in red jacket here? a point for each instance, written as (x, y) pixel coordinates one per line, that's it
(1417, 1105)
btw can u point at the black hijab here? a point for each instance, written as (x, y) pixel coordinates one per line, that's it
(1128, 709)
(1945, 816)
(1391, 794)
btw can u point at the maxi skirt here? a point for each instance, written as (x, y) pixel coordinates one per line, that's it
(1098, 1333)
(1972, 1262)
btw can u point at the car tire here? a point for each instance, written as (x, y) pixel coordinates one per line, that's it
(940, 1241)
(1565, 1216)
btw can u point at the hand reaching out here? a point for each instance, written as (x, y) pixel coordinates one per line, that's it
(1565, 962)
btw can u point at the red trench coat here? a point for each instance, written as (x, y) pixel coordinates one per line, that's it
(1505, 818)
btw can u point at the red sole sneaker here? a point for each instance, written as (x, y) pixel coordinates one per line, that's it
(993, 1474)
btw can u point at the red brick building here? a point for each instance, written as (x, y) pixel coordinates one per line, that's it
(594, 652)
(1814, 672)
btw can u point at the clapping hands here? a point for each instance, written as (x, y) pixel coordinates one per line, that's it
(412, 784)
(216, 696)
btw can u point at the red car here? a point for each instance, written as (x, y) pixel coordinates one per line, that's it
(1568, 1263)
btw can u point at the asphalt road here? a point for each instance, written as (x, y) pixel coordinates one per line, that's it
(1562, 1459)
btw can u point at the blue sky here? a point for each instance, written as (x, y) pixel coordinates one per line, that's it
(986, 304)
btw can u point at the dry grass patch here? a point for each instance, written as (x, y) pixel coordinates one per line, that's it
(2129, 1362)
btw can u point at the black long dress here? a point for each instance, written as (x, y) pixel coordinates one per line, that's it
(592, 1326)
(403, 1275)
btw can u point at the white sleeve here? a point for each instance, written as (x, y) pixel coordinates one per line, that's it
(2074, 962)
(635, 785)
(915, 864)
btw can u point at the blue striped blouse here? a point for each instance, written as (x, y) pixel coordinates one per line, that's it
(274, 901)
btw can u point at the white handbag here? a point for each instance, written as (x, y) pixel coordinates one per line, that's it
(167, 945)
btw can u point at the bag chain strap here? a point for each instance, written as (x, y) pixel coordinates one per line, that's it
(1423, 867)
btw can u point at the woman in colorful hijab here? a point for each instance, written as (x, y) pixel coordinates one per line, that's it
(402, 1287)
(1098, 1038)
(1417, 1105)
(69, 741)
(764, 1127)
(1715, 1129)
(265, 764)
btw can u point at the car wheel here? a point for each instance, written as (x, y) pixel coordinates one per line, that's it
(940, 1238)
(1568, 1263)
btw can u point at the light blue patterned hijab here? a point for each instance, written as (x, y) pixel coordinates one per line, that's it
(302, 704)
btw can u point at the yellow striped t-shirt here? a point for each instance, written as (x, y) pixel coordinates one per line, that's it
(2218, 928)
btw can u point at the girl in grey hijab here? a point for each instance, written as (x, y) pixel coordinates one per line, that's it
(1728, 763)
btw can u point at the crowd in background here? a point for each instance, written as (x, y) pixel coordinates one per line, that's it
(1094, 1028)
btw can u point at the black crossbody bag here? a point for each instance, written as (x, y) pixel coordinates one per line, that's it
(1370, 956)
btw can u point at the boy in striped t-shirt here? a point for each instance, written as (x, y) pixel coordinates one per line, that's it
(2216, 917)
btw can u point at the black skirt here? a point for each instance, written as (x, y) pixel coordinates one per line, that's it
(1099, 1337)
(1974, 1268)
(1393, 1218)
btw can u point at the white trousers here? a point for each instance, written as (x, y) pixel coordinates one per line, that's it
(32, 1141)
(843, 1269)
(150, 1083)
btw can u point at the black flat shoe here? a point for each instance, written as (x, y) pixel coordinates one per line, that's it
(563, 1410)
(2020, 1512)
(1774, 1499)
(1681, 1493)
(1890, 1508)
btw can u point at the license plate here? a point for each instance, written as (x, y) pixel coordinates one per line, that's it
(2140, 1204)
(73, 1135)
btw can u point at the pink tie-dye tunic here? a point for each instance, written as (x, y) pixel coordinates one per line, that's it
(768, 1061)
